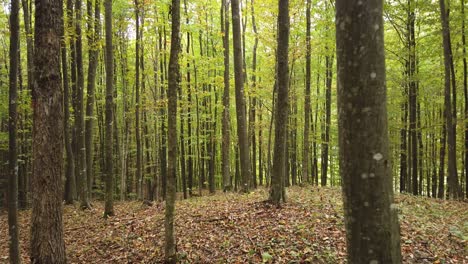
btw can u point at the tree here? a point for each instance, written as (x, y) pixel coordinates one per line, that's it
(139, 155)
(70, 183)
(93, 53)
(47, 244)
(465, 91)
(305, 144)
(372, 230)
(12, 127)
(277, 191)
(240, 97)
(109, 170)
(226, 145)
(452, 179)
(174, 75)
(80, 134)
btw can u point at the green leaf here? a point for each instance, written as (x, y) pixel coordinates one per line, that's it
(266, 257)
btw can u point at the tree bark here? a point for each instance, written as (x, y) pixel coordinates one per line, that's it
(12, 191)
(83, 191)
(109, 170)
(277, 191)
(326, 132)
(47, 244)
(307, 110)
(465, 90)
(240, 98)
(372, 229)
(174, 75)
(253, 100)
(452, 179)
(443, 148)
(93, 53)
(226, 144)
(139, 155)
(70, 176)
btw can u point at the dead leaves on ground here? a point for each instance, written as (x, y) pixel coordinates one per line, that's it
(234, 228)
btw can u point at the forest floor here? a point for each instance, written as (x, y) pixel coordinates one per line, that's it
(234, 228)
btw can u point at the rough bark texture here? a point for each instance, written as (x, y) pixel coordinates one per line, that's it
(12, 126)
(93, 53)
(226, 145)
(452, 178)
(83, 192)
(327, 120)
(47, 245)
(465, 91)
(372, 229)
(240, 98)
(109, 170)
(253, 100)
(305, 145)
(173, 82)
(277, 191)
(139, 155)
(70, 176)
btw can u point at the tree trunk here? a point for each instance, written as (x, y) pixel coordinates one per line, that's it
(109, 60)
(465, 90)
(277, 191)
(70, 184)
(12, 190)
(226, 145)
(139, 155)
(243, 140)
(326, 132)
(80, 141)
(443, 147)
(307, 110)
(253, 102)
(452, 179)
(403, 142)
(170, 246)
(47, 244)
(93, 53)
(189, 114)
(372, 229)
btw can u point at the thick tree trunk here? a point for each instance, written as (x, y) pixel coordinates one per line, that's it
(277, 191)
(240, 98)
(307, 110)
(372, 229)
(93, 53)
(12, 190)
(109, 169)
(189, 114)
(452, 179)
(47, 244)
(70, 184)
(139, 155)
(80, 141)
(226, 144)
(22, 174)
(170, 245)
(253, 101)
(465, 91)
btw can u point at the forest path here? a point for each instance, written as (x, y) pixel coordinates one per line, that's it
(233, 228)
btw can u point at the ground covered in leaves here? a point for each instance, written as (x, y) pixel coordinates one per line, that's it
(234, 228)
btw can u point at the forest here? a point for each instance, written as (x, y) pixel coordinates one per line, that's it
(233, 131)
